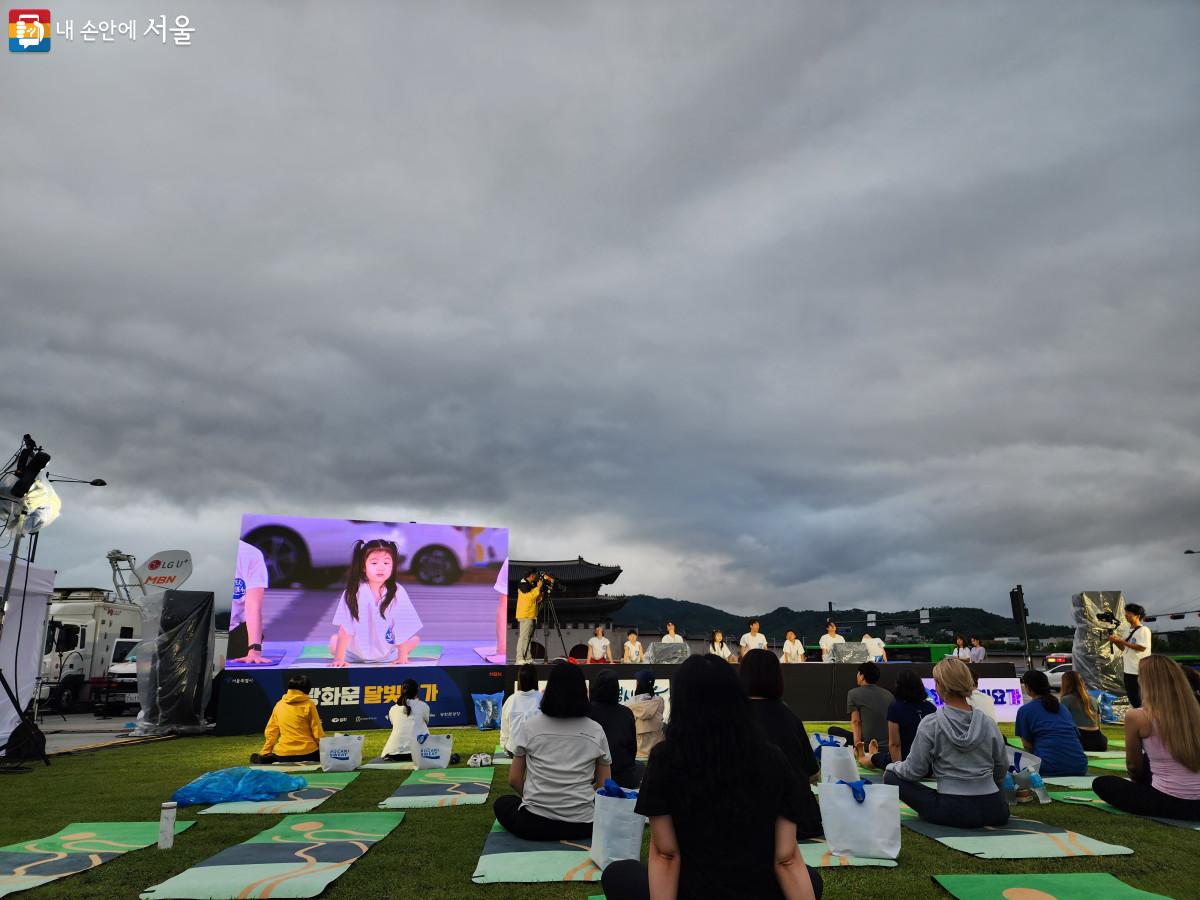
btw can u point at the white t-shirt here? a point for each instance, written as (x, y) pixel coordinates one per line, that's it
(598, 648)
(793, 652)
(1132, 659)
(502, 579)
(753, 641)
(978, 654)
(827, 641)
(874, 647)
(963, 653)
(671, 639)
(721, 650)
(250, 572)
(518, 707)
(374, 638)
(634, 652)
(560, 765)
(984, 703)
(406, 728)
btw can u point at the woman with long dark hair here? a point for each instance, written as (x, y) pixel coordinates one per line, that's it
(717, 646)
(1076, 700)
(1047, 730)
(721, 799)
(620, 729)
(409, 717)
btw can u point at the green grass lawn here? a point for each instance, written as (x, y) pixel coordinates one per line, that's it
(433, 853)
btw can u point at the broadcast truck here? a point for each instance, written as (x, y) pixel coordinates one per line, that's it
(88, 627)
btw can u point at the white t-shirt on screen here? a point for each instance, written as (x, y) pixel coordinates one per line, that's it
(374, 637)
(250, 572)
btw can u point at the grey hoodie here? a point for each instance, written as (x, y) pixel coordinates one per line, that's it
(964, 751)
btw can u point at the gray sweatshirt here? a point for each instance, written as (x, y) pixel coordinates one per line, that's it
(963, 750)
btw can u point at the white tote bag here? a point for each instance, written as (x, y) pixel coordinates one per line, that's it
(1023, 761)
(616, 830)
(862, 823)
(838, 764)
(341, 752)
(433, 751)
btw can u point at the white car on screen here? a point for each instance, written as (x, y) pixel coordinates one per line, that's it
(316, 552)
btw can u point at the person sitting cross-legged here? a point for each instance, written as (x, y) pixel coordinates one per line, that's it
(294, 732)
(868, 706)
(1047, 730)
(963, 749)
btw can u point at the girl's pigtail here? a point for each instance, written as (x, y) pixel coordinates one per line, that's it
(354, 579)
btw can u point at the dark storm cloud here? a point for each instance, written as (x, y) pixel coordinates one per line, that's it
(877, 304)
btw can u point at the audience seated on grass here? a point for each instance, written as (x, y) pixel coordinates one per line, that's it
(294, 732)
(647, 708)
(903, 716)
(410, 718)
(981, 701)
(1076, 700)
(722, 802)
(867, 706)
(960, 747)
(522, 702)
(560, 759)
(762, 680)
(1166, 781)
(1047, 730)
(619, 728)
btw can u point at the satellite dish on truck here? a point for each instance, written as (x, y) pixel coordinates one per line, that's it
(165, 570)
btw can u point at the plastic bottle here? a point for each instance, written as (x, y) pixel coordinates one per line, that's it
(166, 826)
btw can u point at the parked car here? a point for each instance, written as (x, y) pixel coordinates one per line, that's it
(1055, 659)
(1054, 675)
(314, 552)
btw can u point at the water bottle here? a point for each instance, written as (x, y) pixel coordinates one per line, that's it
(1010, 789)
(166, 826)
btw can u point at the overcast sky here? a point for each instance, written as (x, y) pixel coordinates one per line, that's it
(885, 304)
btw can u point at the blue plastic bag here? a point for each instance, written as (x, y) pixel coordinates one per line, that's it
(487, 710)
(240, 783)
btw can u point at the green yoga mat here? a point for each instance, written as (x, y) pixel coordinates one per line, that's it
(299, 857)
(442, 787)
(388, 765)
(75, 848)
(293, 768)
(1019, 839)
(510, 860)
(321, 786)
(422, 651)
(1075, 782)
(1090, 798)
(500, 758)
(1079, 886)
(1108, 765)
(817, 854)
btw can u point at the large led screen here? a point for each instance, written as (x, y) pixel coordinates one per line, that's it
(311, 593)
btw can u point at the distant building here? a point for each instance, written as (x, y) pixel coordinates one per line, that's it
(578, 602)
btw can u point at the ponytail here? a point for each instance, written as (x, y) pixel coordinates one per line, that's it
(408, 691)
(1039, 686)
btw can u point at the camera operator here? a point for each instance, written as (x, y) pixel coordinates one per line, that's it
(529, 593)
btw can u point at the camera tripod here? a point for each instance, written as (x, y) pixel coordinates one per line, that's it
(548, 613)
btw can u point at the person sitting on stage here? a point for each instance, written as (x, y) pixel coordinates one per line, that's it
(599, 647)
(1078, 702)
(876, 648)
(722, 802)
(762, 679)
(978, 651)
(903, 716)
(1047, 730)
(633, 648)
(961, 650)
(718, 647)
(671, 637)
(828, 639)
(519, 705)
(961, 748)
(647, 708)
(294, 732)
(560, 760)
(408, 716)
(867, 706)
(752, 640)
(619, 728)
(1167, 729)
(375, 620)
(793, 650)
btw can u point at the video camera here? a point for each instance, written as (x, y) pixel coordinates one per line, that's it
(548, 582)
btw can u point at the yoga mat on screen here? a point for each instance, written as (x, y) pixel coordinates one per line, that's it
(273, 657)
(1019, 839)
(299, 857)
(321, 786)
(1090, 798)
(442, 787)
(1076, 886)
(817, 854)
(508, 859)
(75, 848)
(423, 652)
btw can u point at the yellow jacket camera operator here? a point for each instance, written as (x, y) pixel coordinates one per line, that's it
(529, 594)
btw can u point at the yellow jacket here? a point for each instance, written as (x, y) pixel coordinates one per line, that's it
(294, 728)
(527, 602)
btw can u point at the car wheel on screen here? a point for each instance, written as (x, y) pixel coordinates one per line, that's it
(285, 554)
(437, 566)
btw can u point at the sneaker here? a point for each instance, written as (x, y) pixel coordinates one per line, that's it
(474, 762)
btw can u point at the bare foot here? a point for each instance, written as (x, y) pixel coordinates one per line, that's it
(863, 759)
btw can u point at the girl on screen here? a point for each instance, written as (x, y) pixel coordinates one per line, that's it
(376, 622)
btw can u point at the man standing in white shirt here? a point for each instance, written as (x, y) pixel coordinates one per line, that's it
(752, 640)
(828, 639)
(1134, 638)
(875, 648)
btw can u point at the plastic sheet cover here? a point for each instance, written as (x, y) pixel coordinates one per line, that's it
(1097, 615)
(668, 653)
(174, 662)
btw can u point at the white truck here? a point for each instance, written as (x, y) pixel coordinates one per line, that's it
(88, 626)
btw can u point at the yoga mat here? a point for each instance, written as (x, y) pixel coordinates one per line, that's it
(299, 857)
(1090, 798)
(442, 787)
(72, 849)
(500, 758)
(388, 765)
(275, 657)
(817, 854)
(1104, 754)
(1109, 765)
(424, 652)
(1019, 839)
(1072, 781)
(294, 768)
(321, 786)
(510, 860)
(1078, 886)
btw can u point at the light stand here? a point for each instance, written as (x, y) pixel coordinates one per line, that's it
(26, 721)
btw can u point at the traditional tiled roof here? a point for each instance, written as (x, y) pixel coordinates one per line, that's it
(567, 570)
